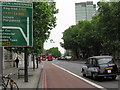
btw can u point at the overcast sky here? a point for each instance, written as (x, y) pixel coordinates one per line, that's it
(65, 18)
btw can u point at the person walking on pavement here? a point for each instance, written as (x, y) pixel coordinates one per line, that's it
(17, 61)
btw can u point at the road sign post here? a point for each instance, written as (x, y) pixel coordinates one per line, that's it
(15, 28)
(26, 66)
(1, 64)
(1, 51)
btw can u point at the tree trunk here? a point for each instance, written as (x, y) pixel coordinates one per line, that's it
(37, 62)
(33, 63)
(76, 53)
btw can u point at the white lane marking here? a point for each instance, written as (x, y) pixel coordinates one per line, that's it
(98, 86)
(42, 65)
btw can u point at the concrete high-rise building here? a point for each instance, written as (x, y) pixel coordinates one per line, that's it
(109, 0)
(114, 0)
(84, 10)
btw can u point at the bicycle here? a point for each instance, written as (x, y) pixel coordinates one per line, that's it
(9, 83)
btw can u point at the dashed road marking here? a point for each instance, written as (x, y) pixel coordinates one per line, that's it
(98, 86)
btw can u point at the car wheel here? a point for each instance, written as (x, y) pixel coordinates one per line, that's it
(84, 75)
(94, 76)
(114, 77)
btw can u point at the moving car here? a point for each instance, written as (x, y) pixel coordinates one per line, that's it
(100, 66)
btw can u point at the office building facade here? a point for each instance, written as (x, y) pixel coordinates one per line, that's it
(84, 10)
(109, 0)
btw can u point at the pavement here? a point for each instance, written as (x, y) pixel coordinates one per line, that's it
(33, 76)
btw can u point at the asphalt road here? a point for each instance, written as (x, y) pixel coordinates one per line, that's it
(51, 73)
(76, 68)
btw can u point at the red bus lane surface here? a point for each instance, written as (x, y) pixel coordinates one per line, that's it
(54, 77)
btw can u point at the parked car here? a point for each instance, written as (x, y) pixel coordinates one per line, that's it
(61, 58)
(68, 57)
(100, 66)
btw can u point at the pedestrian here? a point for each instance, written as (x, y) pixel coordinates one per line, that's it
(17, 61)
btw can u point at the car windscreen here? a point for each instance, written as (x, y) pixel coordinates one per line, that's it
(104, 60)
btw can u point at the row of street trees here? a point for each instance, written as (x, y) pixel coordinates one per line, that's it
(101, 35)
(55, 52)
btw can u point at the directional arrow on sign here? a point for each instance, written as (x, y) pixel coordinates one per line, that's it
(26, 37)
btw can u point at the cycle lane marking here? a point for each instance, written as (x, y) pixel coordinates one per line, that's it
(44, 80)
(91, 83)
(54, 75)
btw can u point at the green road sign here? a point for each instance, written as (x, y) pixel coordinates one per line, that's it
(16, 24)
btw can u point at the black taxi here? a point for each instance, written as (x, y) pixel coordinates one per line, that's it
(100, 66)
